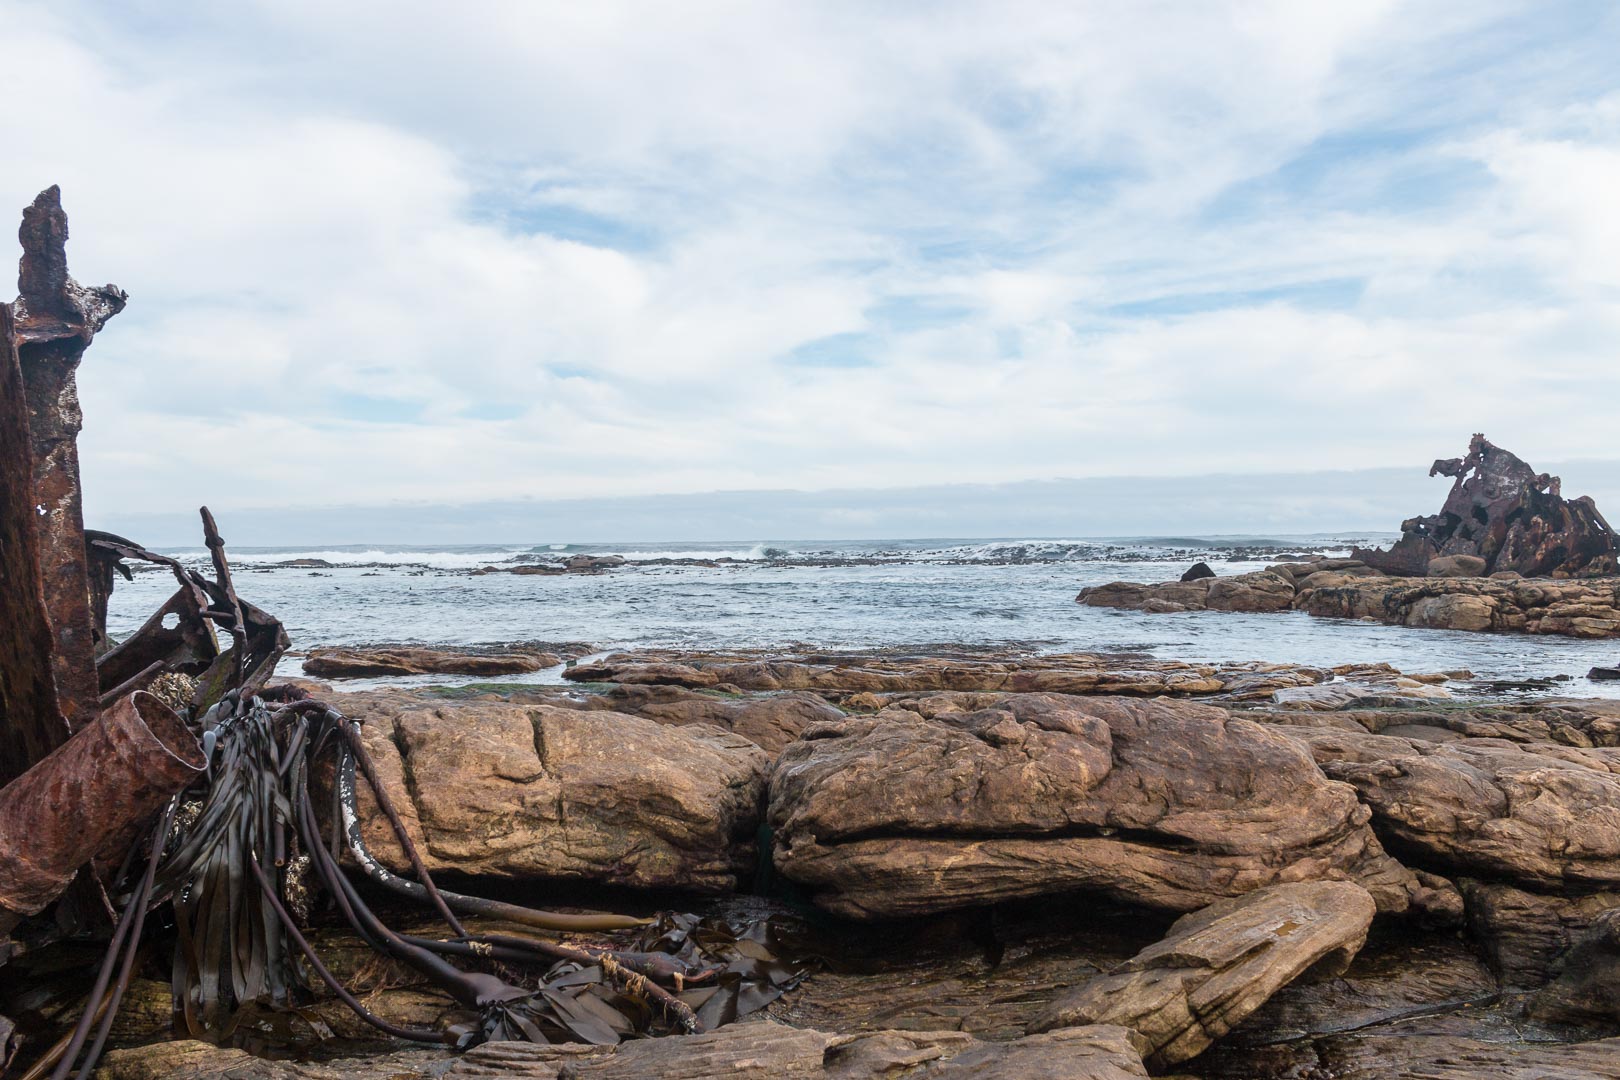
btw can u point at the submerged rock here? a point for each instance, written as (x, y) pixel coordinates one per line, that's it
(1168, 804)
(1218, 965)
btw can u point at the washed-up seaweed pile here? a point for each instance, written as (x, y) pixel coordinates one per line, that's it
(237, 856)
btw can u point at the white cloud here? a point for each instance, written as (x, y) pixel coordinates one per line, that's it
(566, 249)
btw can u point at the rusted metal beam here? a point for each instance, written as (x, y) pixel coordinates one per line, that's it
(55, 319)
(31, 724)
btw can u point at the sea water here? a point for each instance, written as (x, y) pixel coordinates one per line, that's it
(844, 595)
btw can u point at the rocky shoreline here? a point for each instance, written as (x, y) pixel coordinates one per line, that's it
(1350, 589)
(1077, 866)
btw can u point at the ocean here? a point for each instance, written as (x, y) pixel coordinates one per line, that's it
(839, 595)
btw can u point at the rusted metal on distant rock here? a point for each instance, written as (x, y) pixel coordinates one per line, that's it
(55, 319)
(110, 777)
(1505, 512)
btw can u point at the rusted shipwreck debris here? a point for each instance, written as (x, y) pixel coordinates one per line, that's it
(160, 771)
(1502, 511)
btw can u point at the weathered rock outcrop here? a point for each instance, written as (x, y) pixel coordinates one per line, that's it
(1527, 934)
(1169, 804)
(751, 1051)
(389, 660)
(513, 791)
(1543, 815)
(1218, 965)
(1503, 512)
(1588, 987)
(1348, 589)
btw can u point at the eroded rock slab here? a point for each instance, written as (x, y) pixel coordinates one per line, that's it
(1220, 964)
(749, 1051)
(882, 672)
(384, 661)
(1169, 804)
(536, 791)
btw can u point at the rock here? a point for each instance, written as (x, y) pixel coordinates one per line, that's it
(1259, 591)
(1526, 934)
(1398, 1053)
(770, 722)
(594, 562)
(530, 792)
(1263, 590)
(1505, 515)
(1588, 987)
(193, 1060)
(841, 676)
(381, 662)
(1196, 571)
(1542, 815)
(1456, 566)
(1220, 964)
(748, 1051)
(1587, 608)
(1603, 674)
(1163, 803)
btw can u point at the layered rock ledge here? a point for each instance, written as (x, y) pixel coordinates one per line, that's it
(1349, 589)
(1169, 805)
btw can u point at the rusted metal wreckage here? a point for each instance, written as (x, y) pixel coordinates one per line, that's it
(1501, 510)
(160, 770)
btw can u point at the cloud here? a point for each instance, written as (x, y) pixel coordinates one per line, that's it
(574, 250)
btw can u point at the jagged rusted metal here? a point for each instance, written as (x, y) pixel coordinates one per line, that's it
(31, 724)
(1503, 511)
(55, 318)
(109, 778)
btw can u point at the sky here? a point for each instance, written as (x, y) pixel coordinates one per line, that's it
(380, 257)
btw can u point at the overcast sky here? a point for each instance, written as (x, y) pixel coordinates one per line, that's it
(393, 252)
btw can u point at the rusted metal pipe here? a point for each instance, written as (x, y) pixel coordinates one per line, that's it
(104, 781)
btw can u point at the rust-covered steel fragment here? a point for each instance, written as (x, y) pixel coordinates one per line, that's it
(1501, 510)
(55, 318)
(110, 777)
(30, 721)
